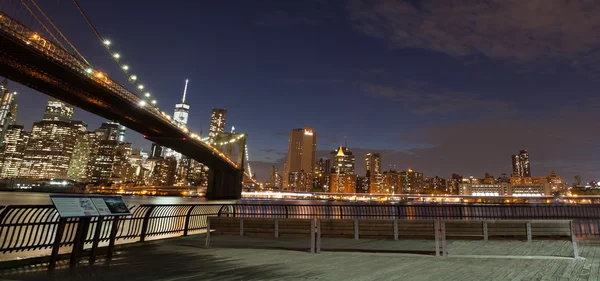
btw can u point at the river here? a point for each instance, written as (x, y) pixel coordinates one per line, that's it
(40, 198)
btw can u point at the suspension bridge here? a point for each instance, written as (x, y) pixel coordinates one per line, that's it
(35, 53)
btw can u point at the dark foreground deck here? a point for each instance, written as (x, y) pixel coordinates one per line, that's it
(232, 258)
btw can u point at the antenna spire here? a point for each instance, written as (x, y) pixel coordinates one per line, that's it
(184, 91)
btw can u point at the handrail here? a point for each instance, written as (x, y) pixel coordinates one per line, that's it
(33, 227)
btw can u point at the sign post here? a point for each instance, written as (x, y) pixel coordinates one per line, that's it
(85, 208)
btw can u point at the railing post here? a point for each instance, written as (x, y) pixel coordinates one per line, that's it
(286, 212)
(62, 223)
(113, 236)
(341, 212)
(574, 240)
(356, 229)
(485, 231)
(436, 234)
(529, 236)
(145, 223)
(187, 221)
(96, 240)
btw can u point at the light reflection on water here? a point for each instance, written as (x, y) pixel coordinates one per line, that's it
(39, 198)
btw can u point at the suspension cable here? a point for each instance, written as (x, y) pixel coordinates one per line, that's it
(43, 25)
(102, 41)
(59, 32)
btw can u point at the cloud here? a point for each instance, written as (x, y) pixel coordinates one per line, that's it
(282, 18)
(423, 99)
(502, 29)
(267, 150)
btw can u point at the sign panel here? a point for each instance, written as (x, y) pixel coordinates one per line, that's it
(110, 205)
(74, 206)
(77, 206)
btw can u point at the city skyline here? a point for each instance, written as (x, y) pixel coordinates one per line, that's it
(414, 117)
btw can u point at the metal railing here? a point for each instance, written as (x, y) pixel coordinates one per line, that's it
(34, 227)
(58, 54)
(586, 217)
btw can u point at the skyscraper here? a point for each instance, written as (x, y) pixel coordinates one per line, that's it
(217, 122)
(182, 109)
(13, 150)
(521, 165)
(49, 150)
(302, 150)
(113, 131)
(156, 150)
(373, 163)
(8, 109)
(58, 111)
(342, 160)
(78, 167)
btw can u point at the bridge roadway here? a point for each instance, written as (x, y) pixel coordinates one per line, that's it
(25, 62)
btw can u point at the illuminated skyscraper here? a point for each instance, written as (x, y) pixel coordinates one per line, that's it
(8, 108)
(217, 122)
(182, 109)
(521, 165)
(373, 163)
(342, 160)
(113, 131)
(58, 111)
(13, 151)
(78, 167)
(49, 150)
(302, 151)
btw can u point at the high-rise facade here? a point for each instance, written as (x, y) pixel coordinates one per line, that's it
(182, 109)
(302, 151)
(411, 182)
(342, 161)
(521, 165)
(8, 109)
(373, 163)
(58, 111)
(164, 172)
(78, 167)
(217, 122)
(13, 150)
(51, 143)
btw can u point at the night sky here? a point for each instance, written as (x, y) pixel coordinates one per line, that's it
(434, 86)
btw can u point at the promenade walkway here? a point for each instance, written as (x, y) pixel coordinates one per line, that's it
(186, 259)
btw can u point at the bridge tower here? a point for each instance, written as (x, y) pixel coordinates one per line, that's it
(227, 184)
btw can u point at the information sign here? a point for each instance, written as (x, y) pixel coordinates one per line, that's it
(74, 206)
(77, 206)
(110, 205)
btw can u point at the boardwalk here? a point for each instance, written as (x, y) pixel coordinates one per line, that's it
(186, 259)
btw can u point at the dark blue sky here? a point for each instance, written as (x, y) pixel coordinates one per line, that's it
(436, 87)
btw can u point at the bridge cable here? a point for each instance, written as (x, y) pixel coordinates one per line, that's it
(59, 32)
(43, 25)
(112, 54)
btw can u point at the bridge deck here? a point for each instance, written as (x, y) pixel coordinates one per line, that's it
(185, 259)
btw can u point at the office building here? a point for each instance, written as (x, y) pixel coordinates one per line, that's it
(391, 182)
(112, 131)
(362, 184)
(103, 160)
(13, 150)
(217, 122)
(8, 109)
(521, 165)
(342, 161)
(372, 163)
(411, 181)
(302, 149)
(342, 183)
(164, 172)
(275, 179)
(156, 150)
(79, 165)
(51, 143)
(182, 109)
(58, 111)
(300, 181)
